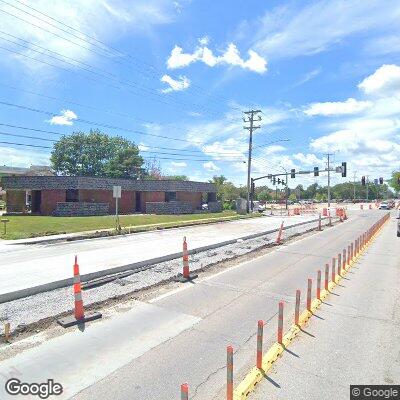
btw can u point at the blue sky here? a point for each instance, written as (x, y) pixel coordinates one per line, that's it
(326, 75)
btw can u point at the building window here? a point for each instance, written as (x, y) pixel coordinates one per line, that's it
(170, 196)
(72, 196)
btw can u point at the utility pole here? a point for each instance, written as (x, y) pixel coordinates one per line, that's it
(329, 179)
(367, 181)
(250, 119)
(354, 186)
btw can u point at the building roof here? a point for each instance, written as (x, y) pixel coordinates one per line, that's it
(76, 182)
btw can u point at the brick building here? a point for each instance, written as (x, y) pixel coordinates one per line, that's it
(68, 196)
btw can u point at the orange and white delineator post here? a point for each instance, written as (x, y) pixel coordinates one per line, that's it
(229, 373)
(319, 285)
(260, 332)
(279, 237)
(309, 289)
(79, 310)
(333, 269)
(185, 257)
(297, 307)
(326, 276)
(280, 322)
(186, 276)
(184, 391)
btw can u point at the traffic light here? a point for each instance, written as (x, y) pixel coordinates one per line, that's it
(269, 176)
(279, 181)
(363, 181)
(253, 187)
(381, 181)
(344, 169)
(273, 181)
(316, 171)
(293, 173)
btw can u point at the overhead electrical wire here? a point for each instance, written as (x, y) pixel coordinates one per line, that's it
(102, 110)
(216, 158)
(149, 158)
(139, 62)
(84, 47)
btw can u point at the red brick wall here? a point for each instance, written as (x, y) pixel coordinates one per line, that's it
(195, 199)
(126, 204)
(150, 197)
(49, 200)
(15, 200)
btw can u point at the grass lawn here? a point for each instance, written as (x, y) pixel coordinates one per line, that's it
(32, 226)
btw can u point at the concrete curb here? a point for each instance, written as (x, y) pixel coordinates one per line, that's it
(248, 384)
(135, 267)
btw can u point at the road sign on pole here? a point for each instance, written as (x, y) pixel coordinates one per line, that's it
(117, 195)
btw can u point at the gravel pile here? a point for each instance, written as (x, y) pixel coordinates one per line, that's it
(24, 312)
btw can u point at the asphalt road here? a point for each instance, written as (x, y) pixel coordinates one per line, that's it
(356, 338)
(39, 264)
(148, 351)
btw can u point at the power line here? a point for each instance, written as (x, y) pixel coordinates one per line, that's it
(150, 147)
(150, 158)
(147, 91)
(142, 151)
(138, 62)
(66, 39)
(52, 114)
(102, 110)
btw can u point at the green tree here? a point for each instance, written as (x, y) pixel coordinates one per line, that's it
(395, 181)
(176, 177)
(219, 182)
(96, 154)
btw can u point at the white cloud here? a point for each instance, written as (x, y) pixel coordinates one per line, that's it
(104, 20)
(204, 40)
(350, 106)
(142, 146)
(181, 164)
(231, 56)
(308, 159)
(66, 117)
(210, 166)
(23, 157)
(175, 85)
(308, 77)
(389, 44)
(313, 27)
(383, 82)
(273, 149)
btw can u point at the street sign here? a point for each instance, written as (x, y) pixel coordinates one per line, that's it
(117, 192)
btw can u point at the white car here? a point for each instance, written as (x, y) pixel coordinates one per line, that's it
(384, 206)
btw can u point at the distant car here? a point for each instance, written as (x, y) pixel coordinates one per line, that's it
(398, 226)
(384, 206)
(257, 206)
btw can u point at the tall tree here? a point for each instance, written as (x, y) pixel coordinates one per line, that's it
(96, 154)
(395, 181)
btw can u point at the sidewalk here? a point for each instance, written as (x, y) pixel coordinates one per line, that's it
(38, 264)
(353, 339)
